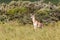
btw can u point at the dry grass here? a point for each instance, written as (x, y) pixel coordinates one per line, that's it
(13, 31)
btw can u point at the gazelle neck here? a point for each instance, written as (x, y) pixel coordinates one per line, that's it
(33, 18)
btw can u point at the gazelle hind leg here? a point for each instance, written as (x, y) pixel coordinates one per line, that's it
(40, 25)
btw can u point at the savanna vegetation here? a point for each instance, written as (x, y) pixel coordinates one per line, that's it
(21, 10)
(16, 24)
(14, 31)
(46, 1)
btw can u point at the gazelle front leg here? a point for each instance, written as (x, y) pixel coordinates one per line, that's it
(35, 26)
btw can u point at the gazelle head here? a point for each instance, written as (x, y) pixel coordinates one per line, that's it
(32, 15)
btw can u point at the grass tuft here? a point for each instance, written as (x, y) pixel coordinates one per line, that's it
(14, 31)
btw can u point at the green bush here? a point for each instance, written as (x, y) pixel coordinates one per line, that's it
(17, 10)
(43, 14)
(21, 11)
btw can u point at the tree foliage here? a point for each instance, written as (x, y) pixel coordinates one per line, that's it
(21, 10)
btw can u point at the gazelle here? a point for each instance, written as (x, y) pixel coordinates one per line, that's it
(35, 22)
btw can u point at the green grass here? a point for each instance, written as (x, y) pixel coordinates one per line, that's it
(14, 31)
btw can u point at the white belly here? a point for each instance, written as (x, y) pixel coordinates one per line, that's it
(35, 23)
